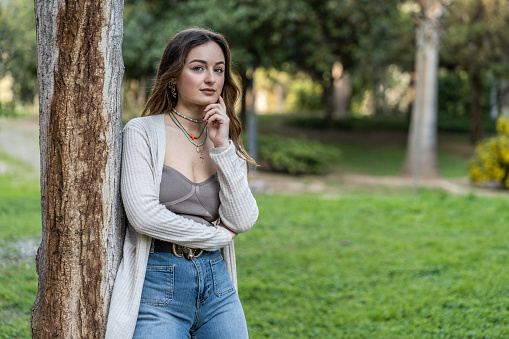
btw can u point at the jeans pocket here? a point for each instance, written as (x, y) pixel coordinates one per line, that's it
(158, 285)
(222, 282)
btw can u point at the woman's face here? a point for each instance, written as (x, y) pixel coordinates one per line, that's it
(202, 78)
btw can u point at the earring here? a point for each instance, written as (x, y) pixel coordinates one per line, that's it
(173, 90)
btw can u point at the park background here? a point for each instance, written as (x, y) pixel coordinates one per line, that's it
(346, 246)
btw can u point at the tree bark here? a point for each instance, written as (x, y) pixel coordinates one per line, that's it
(79, 71)
(421, 155)
(475, 108)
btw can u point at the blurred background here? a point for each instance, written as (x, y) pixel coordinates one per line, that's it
(344, 246)
(339, 72)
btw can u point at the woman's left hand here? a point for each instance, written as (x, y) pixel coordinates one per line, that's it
(218, 123)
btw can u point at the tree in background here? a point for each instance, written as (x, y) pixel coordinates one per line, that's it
(476, 41)
(148, 25)
(355, 33)
(299, 35)
(79, 67)
(255, 31)
(421, 153)
(17, 47)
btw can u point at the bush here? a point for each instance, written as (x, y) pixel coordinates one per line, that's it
(491, 159)
(296, 156)
(304, 95)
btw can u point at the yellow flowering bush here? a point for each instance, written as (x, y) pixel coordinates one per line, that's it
(491, 159)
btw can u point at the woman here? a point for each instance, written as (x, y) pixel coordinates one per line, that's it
(185, 192)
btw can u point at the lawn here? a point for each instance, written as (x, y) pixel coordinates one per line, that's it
(20, 222)
(355, 266)
(377, 266)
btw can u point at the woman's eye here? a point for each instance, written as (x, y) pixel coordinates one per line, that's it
(219, 70)
(198, 68)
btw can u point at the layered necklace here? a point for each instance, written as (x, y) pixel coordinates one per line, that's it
(183, 116)
(188, 135)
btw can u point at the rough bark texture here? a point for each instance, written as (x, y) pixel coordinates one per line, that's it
(80, 71)
(421, 155)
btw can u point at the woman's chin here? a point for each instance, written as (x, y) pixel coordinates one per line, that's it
(210, 101)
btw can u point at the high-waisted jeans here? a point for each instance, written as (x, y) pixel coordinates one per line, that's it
(184, 299)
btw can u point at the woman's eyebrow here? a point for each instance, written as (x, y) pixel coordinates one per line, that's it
(204, 62)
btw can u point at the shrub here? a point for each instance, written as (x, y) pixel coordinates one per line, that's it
(296, 155)
(491, 159)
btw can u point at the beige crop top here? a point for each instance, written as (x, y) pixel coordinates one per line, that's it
(196, 201)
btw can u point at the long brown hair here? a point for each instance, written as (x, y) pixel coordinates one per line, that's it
(172, 62)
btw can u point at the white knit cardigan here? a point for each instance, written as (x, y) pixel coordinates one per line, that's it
(144, 142)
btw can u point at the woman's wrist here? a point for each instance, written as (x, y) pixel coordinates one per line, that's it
(233, 234)
(220, 146)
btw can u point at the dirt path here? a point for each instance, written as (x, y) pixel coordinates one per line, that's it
(342, 184)
(19, 138)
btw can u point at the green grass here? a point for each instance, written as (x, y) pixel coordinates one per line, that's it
(20, 219)
(386, 160)
(20, 202)
(376, 266)
(17, 295)
(453, 165)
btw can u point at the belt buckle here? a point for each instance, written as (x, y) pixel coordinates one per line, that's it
(188, 253)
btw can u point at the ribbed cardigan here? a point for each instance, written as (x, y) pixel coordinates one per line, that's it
(144, 143)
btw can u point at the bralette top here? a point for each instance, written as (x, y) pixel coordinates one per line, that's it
(196, 201)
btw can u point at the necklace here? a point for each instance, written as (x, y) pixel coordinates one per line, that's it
(192, 136)
(183, 116)
(187, 134)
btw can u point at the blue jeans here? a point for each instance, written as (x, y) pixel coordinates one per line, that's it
(189, 299)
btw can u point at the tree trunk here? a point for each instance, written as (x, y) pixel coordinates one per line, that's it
(245, 82)
(342, 92)
(421, 155)
(141, 97)
(252, 125)
(328, 97)
(502, 97)
(475, 107)
(79, 71)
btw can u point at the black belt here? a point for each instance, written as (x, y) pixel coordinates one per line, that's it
(178, 250)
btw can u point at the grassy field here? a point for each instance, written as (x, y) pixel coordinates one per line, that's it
(356, 266)
(373, 266)
(20, 222)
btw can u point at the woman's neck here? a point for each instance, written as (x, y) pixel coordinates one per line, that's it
(185, 115)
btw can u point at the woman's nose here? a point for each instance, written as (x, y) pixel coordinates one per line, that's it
(209, 78)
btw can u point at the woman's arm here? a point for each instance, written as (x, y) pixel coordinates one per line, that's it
(238, 210)
(141, 201)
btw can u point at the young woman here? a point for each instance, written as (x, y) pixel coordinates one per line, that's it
(186, 196)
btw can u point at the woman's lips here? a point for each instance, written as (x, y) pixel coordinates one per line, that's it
(208, 91)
